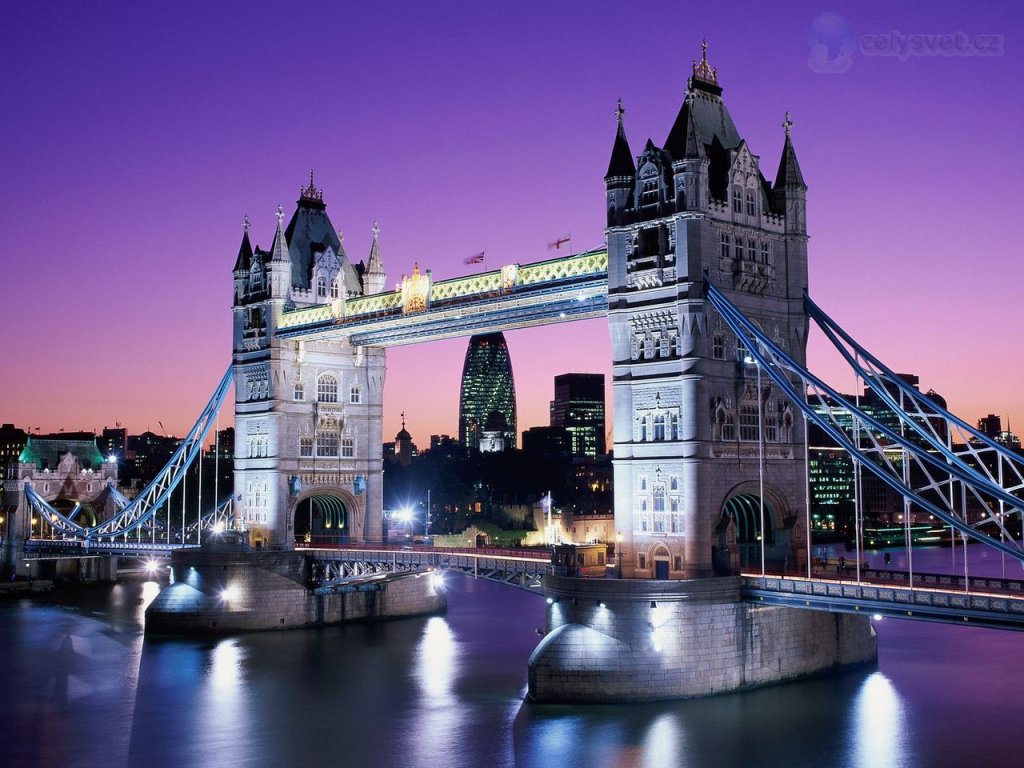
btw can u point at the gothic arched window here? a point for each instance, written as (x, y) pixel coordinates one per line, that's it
(751, 205)
(355, 396)
(327, 388)
(299, 392)
(737, 198)
(321, 288)
(334, 288)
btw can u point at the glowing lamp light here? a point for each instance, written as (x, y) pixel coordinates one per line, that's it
(218, 527)
(878, 617)
(151, 566)
(551, 601)
(229, 593)
(437, 579)
(404, 515)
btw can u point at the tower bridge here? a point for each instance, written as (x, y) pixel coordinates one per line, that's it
(704, 284)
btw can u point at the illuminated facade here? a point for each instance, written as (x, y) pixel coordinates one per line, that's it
(308, 447)
(695, 424)
(578, 407)
(487, 388)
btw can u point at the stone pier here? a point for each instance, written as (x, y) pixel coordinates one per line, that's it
(643, 640)
(218, 592)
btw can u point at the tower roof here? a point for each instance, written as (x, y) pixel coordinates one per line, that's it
(279, 250)
(310, 232)
(46, 453)
(789, 174)
(374, 264)
(244, 260)
(621, 162)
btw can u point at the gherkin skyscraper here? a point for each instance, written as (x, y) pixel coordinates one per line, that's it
(487, 388)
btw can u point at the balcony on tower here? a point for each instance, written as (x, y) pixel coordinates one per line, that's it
(752, 276)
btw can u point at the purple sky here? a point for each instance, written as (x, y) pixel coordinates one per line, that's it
(135, 140)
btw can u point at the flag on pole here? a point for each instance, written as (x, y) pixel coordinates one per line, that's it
(475, 259)
(559, 242)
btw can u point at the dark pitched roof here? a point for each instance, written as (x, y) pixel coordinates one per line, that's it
(309, 233)
(244, 259)
(702, 118)
(621, 162)
(789, 174)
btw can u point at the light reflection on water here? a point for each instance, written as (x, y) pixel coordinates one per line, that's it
(877, 724)
(84, 688)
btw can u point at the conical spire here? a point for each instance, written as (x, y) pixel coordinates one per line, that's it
(374, 279)
(279, 251)
(374, 264)
(789, 174)
(244, 260)
(621, 163)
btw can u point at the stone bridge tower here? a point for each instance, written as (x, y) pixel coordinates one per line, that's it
(697, 445)
(307, 412)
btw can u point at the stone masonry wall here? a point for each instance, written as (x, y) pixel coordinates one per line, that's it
(633, 640)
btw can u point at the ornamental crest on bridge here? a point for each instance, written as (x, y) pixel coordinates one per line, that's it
(415, 290)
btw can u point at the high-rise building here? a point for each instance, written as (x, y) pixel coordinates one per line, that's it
(578, 407)
(487, 386)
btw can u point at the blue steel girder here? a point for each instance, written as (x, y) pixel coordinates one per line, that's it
(787, 374)
(139, 512)
(922, 415)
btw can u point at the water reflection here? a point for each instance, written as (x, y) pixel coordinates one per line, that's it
(436, 728)
(878, 726)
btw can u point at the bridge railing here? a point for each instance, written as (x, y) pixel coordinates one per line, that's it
(939, 605)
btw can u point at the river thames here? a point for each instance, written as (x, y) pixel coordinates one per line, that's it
(83, 687)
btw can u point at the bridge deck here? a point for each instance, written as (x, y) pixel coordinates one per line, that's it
(994, 608)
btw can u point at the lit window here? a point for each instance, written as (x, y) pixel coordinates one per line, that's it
(327, 388)
(355, 395)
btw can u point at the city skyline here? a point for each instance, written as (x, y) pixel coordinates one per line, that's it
(905, 192)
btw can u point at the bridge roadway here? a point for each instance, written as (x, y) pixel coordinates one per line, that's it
(981, 602)
(522, 568)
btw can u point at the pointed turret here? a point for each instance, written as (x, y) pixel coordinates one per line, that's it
(244, 260)
(621, 162)
(621, 176)
(790, 191)
(279, 251)
(789, 174)
(374, 278)
(280, 266)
